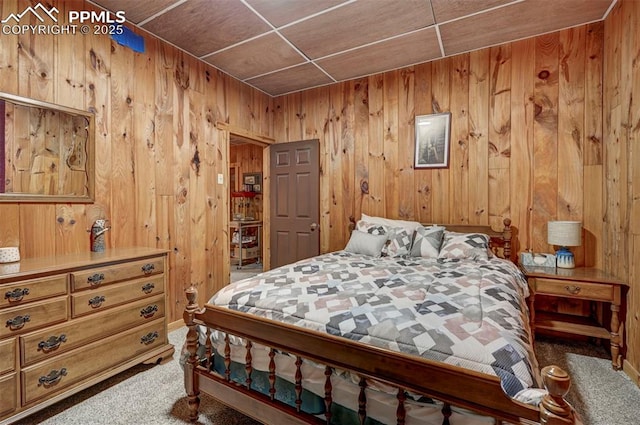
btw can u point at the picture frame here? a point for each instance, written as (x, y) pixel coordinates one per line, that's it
(432, 134)
(252, 182)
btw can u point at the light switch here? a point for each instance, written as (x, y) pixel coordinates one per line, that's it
(220, 179)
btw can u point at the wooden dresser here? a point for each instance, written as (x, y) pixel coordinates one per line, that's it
(71, 321)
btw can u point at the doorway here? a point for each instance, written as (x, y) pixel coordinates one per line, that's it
(246, 205)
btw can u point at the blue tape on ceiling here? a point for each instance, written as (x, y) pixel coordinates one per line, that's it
(129, 39)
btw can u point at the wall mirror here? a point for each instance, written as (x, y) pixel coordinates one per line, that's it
(46, 152)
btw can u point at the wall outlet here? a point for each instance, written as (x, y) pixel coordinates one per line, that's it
(220, 178)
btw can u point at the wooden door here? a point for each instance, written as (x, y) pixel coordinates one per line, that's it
(295, 201)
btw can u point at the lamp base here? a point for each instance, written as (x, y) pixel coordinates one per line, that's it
(565, 259)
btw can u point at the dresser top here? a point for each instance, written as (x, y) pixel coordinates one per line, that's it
(35, 266)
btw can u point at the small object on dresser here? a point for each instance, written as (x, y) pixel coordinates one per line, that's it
(97, 235)
(9, 254)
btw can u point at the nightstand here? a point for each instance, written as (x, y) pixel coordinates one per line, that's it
(584, 283)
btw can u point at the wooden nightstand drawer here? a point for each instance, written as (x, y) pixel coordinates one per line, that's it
(18, 320)
(33, 290)
(111, 274)
(575, 289)
(100, 298)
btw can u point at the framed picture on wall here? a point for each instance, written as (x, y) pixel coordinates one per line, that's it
(432, 140)
(252, 182)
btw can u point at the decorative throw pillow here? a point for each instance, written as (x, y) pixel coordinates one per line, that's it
(399, 242)
(366, 243)
(427, 242)
(473, 246)
(372, 228)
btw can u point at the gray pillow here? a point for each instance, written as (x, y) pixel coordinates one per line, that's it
(474, 246)
(427, 242)
(366, 243)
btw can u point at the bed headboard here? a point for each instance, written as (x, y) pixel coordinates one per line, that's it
(499, 241)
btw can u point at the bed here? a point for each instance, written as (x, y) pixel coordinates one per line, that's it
(409, 324)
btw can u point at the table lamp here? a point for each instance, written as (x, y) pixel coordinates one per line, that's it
(564, 234)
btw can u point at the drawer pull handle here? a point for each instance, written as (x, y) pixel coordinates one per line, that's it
(97, 301)
(95, 279)
(572, 289)
(148, 268)
(148, 288)
(149, 338)
(52, 378)
(17, 294)
(52, 343)
(18, 322)
(149, 311)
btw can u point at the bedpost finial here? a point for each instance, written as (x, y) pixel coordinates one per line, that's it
(506, 222)
(192, 296)
(554, 408)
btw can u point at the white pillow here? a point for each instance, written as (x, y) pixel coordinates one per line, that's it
(427, 241)
(410, 226)
(366, 243)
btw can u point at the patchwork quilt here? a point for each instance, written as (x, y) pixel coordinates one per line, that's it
(469, 313)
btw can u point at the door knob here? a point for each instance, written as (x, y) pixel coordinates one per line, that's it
(314, 226)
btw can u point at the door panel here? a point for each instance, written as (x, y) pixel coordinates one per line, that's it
(295, 206)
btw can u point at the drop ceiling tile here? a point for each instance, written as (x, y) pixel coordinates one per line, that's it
(357, 24)
(203, 26)
(282, 12)
(515, 22)
(445, 10)
(256, 57)
(417, 47)
(290, 80)
(136, 11)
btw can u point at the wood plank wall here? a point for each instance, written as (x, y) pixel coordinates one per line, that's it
(622, 163)
(526, 140)
(158, 150)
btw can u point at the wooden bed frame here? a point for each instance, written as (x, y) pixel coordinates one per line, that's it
(472, 390)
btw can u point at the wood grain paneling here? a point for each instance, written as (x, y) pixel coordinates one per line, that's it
(621, 166)
(157, 149)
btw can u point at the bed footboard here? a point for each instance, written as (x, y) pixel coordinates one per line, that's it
(471, 390)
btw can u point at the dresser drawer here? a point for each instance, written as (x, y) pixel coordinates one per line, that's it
(8, 389)
(101, 298)
(44, 344)
(575, 289)
(116, 273)
(19, 320)
(48, 378)
(7, 355)
(32, 290)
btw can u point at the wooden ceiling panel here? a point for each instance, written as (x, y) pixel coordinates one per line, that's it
(281, 46)
(136, 11)
(282, 12)
(446, 10)
(202, 26)
(516, 21)
(290, 80)
(417, 47)
(249, 59)
(357, 24)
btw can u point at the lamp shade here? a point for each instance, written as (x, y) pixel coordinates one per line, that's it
(564, 233)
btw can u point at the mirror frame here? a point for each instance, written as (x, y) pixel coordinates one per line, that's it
(23, 197)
